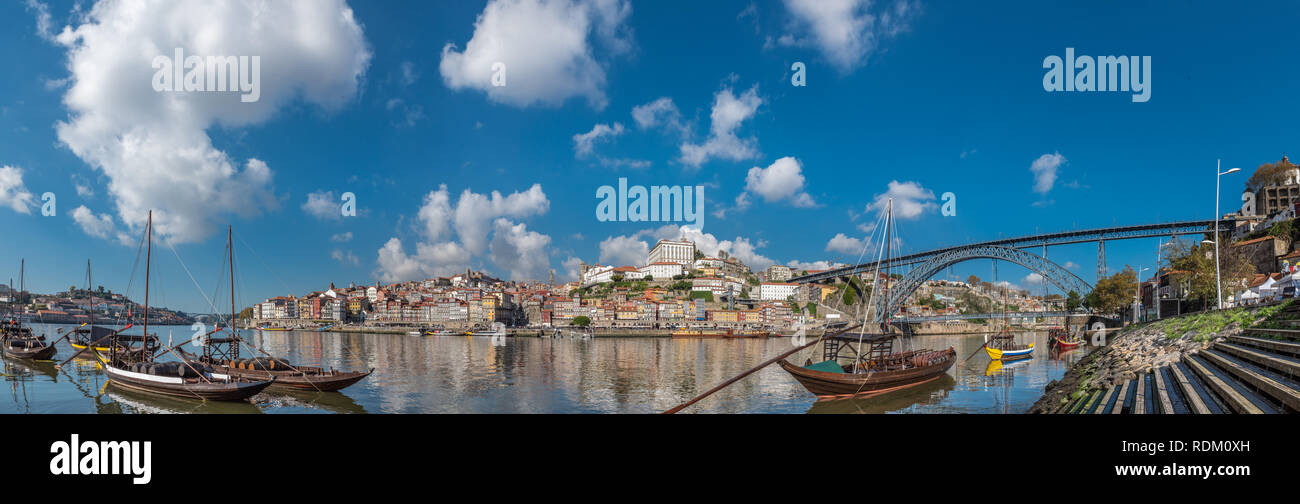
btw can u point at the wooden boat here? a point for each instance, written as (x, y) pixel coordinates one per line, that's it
(34, 348)
(1003, 346)
(1063, 339)
(17, 340)
(221, 354)
(877, 368)
(268, 328)
(875, 371)
(135, 368)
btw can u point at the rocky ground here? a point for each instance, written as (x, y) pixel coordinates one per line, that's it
(1140, 348)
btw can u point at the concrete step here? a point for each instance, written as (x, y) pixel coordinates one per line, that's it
(1122, 398)
(1107, 401)
(1282, 389)
(1272, 345)
(1164, 405)
(1235, 398)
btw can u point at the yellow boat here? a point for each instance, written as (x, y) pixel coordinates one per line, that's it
(999, 354)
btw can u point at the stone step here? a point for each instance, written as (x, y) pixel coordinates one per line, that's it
(1235, 399)
(1283, 390)
(1164, 405)
(1107, 401)
(1140, 396)
(1272, 345)
(1121, 398)
(1288, 366)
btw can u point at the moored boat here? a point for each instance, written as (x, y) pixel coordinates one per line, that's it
(873, 366)
(136, 368)
(17, 340)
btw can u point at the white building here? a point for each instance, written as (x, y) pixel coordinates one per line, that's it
(597, 274)
(662, 270)
(777, 291)
(677, 251)
(710, 284)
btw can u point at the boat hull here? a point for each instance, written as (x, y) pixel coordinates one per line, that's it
(1067, 344)
(43, 353)
(828, 385)
(221, 389)
(999, 354)
(324, 381)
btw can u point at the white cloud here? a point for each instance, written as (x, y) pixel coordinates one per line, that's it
(814, 265)
(659, 113)
(13, 193)
(847, 32)
(44, 25)
(99, 226)
(409, 74)
(1034, 280)
(1070, 265)
(624, 251)
(584, 143)
(521, 252)
(1044, 170)
(572, 268)
(407, 115)
(548, 46)
(910, 200)
(846, 245)
(728, 113)
(154, 147)
(512, 247)
(323, 205)
(342, 237)
(782, 180)
(345, 257)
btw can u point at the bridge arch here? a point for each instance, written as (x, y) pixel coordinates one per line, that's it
(1056, 274)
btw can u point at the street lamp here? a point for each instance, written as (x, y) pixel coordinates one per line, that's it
(1137, 301)
(1218, 280)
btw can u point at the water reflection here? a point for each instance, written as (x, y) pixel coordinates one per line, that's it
(459, 374)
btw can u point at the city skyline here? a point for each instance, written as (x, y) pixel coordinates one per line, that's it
(396, 106)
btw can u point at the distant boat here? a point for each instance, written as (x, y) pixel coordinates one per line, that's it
(1003, 346)
(17, 339)
(719, 333)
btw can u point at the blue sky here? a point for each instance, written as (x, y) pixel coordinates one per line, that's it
(945, 96)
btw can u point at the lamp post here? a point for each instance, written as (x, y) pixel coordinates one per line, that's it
(1218, 279)
(1137, 301)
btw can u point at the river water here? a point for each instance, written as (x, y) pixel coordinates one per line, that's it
(459, 374)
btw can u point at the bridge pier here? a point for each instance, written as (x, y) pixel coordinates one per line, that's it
(1101, 259)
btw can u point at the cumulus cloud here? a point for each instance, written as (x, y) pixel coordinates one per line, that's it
(661, 113)
(847, 32)
(739, 247)
(479, 222)
(585, 143)
(572, 268)
(846, 245)
(13, 193)
(99, 225)
(153, 146)
(910, 200)
(322, 205)
(729, 111)
(521, 252)
(342, 237)
(549, 49)
(1044, 170)
(781, 181)
(624, 251)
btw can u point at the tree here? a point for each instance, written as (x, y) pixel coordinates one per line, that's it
(1269, 174)
(849, 298)
(617, 278)
(972, 280)
(1073, 301)
(649, 278)
(581, 321)
(1198, 261)
(699, 255)
(246, 313)
(1115, 292)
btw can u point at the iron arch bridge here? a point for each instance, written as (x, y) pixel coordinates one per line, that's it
(1060, 277)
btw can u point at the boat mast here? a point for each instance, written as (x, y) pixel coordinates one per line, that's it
(889, 263)
(90, 282)
(234, 335)
(148, 256)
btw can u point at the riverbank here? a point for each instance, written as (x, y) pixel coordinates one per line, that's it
(1140, 348)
